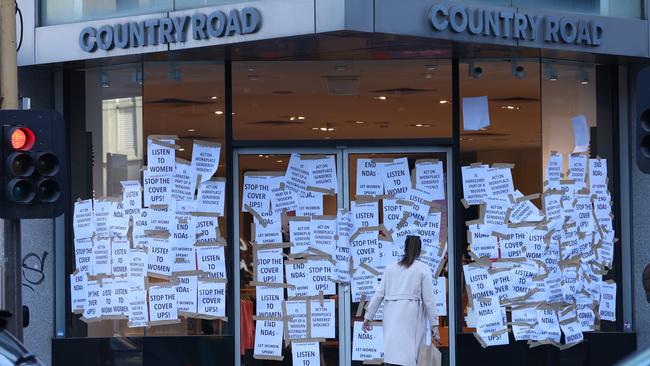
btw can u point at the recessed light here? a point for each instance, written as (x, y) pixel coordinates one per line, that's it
(260, 155)
(218, 112)
(301, 117)
(428, 76)
(426, 125)
(190, 130)
(315, 128)
(181, 149)
(444, 101)
(214, 97)
(330, 129)
(381, 97)
(430, 67)
(359, 122)
(584, 82)
(292, 118)
(323, 128)
(419, 125)
(279, 161)
(233, 113)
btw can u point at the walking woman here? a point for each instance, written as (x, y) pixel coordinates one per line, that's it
(407, 292)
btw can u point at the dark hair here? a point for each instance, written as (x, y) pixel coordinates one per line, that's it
(412, 249)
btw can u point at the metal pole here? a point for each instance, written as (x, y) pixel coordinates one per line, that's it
(11, 290)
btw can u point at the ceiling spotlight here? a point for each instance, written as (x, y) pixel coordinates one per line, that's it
(381, 97)
(550, 72)
(359, 122)
(323, 128)
(218, 112)
(214, 97)
(330, 128)
(181, 149)
(260, 155)
(191, 130)
(430, 67)
(582, 75)
(292, 118)
(315, 128)
(279, 161)
(474, 70)
(518, 71)
(428, 76)
(444, 102)
(302, 118)
(103, 80)
(419, 125)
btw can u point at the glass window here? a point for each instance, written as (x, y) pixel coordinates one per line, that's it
(62, 11)
(347, 99)
(610, 8)
(127, 107)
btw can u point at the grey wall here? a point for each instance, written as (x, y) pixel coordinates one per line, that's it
(37, 240)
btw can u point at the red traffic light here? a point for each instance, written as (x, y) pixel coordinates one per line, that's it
(22, 138)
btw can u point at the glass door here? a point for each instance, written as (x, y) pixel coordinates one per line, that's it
(418, 184)
(295, 236)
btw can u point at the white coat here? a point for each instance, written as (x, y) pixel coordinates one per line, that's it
(408, 302)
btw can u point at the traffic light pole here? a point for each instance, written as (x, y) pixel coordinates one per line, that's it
(11, 256)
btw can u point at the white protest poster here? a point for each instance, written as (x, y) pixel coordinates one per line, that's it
(429, 232)
(365, 249)
(270, 266)
(390, 253)
(83, 255)
(479, 281)
(120, 298)
(268, 338)
(102, 213)
(580, 134)
(364, 214)
(475, 184)
(305, 353)
(548, 325)
(184, 181)
(268, 301)
(182, 240)
(429, 177)
(363, 284)
(310, 204)
(490, 326)
(270, 234)
(554, 169)
(205, 158)
(553, 210)
(299, 233)
(512, 245)
(499, 181)
(322, 173)
(138, 312)
(212, 298)
(211, 260)
(157, 189)
(283, 199)
(607, 308)
(482, 242)
(101, 256)
(119, 258)
(578, 167)
(296, 176)
(396, 177)
(392, 213)
(256, 193)
(367, 346)
(320, 272)
(131, 194)
(323, 232)
(119, 220)
(211, 197)
(585, 312)
(343, 255)
(186, 295)
(161, 155)
(296, 273)
(323, 319)
(476, 114)
(369, 182)
(597, 173)
(524, 210)
(137, 267)
(83, 221)
(163, 307)
(440, 296)
(419, 204)
(297, 322)
(78, 292)
(496, 209)
(207, 229)
(106, 297)
(160, 258)
(524, 320)
(93, 293)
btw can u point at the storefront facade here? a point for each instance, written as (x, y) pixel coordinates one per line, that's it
(351, 83)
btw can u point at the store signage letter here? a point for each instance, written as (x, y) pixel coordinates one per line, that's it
(515, 25)
(172, 29)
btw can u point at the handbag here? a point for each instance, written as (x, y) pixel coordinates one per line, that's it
(429, 355)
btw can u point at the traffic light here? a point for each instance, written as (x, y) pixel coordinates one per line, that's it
(34, 157)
